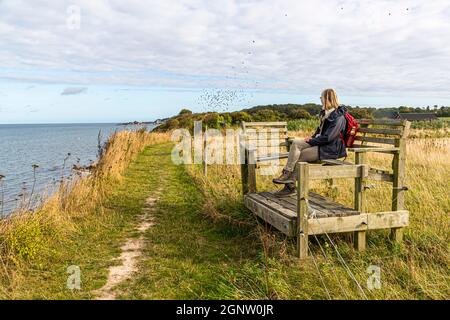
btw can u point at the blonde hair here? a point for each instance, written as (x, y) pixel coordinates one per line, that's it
(329, 99)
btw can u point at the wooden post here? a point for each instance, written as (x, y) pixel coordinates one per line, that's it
(205, 161)
(251, 168)
(359, 236)
(302, 210)
(244, 164)
(398, 166)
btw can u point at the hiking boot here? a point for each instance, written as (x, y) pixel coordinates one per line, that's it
(286, 177)
(289, 189)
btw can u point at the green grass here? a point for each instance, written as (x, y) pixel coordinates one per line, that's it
(188, 256)
(441, 123)
(96, 242)
(416, 269)
(303, 125)
(206, 245)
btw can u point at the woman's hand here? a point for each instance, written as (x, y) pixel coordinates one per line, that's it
(307, 139)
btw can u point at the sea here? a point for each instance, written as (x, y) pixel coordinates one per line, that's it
(34, 158)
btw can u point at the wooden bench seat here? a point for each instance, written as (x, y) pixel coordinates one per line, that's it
(307, 213)
(282, 214)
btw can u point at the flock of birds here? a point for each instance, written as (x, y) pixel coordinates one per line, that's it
(222, 100)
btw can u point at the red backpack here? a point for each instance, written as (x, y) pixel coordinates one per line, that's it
(351, 128)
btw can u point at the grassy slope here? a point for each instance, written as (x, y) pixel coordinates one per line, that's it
(188, 256)
(205, 245)
(418, 269)
(96, 242)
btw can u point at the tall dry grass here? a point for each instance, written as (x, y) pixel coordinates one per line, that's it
(418, 269)
(28, 235)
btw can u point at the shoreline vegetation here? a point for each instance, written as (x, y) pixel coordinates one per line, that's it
(142, 123)
(305, 117)
(206, 245)
(32, 241)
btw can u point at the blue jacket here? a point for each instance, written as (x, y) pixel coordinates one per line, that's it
(329, 141)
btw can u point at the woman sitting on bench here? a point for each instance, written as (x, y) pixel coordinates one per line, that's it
(326, 143)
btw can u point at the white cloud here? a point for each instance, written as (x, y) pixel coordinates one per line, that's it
(360, 47)
(73, 91)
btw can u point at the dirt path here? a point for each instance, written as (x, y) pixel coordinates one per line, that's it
(131, 251)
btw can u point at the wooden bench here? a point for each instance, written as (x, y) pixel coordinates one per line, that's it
(261, 142)
(307, 213)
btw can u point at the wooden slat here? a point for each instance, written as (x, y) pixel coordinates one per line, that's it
(280, 207)
(375, 140)
(280, 222)
(321, 199)
(389, 132)
(359, 148)
(337, 162)
(372, 175)
(380, 175)
(330, 172)
(390, 219)
(390, 122)
(281, 155)
(264, 136)
(337, 224)
(267, 142)
(321, 206)
(333, 209)
(291, 204)
(265, 130)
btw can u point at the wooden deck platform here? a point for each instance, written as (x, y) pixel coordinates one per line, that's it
(324, 215)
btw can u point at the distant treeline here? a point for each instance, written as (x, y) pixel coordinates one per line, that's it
(282, 112)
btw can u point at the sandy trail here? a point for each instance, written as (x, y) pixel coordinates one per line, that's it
(131, 251)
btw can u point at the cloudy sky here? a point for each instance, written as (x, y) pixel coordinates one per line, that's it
(108, 61)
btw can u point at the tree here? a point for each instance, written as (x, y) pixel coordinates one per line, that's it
(268, 115)
(185, 111)
(361, 113)
(186, 121)
(212, 120)
(227, 119)
(172, 124)
(238, 117)
(298, 113)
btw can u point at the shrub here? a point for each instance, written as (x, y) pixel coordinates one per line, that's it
(268, 115)
(185, 111)
(360, 113)
(172, 124)
(298, 113)
(212, 120)
(227, 119)
(238, 117)
(27, 239)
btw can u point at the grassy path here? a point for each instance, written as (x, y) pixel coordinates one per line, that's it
(185, 255)
(160, 214)
(181, 253)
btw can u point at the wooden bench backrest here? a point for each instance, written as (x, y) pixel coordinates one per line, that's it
(265, 135)
(382, 131)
